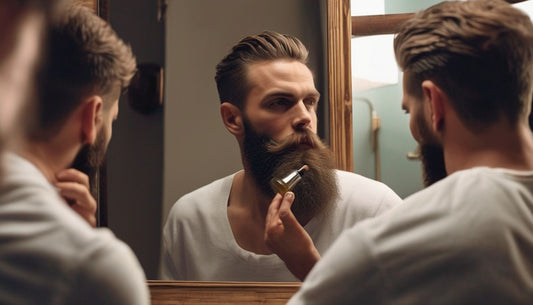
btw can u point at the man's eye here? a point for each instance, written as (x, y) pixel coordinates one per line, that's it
(311, 102)
(278, 103)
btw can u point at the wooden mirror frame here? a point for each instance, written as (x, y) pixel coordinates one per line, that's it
(341, 27)
(339, 82)
(237, 293)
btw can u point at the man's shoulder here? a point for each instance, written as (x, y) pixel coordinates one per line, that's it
(209, 191)
(110, 272)
(363, 194)
(21, 175)
(474, 183)
(347, 179)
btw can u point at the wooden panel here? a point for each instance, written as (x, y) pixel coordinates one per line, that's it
(340, 84)
(377, 24)
(184, 292)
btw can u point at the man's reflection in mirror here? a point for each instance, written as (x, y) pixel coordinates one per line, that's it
(50, 253)
(268, 102)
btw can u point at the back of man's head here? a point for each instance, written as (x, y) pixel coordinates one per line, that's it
(85, 58)
(231, 73)
(480, 53)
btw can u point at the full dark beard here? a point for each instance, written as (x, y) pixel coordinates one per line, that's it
(91, 157)
(317, 190)
(433, 166)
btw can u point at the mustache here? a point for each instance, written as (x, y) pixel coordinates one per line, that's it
(294, 140)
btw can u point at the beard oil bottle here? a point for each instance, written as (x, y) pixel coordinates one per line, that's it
(283, 185)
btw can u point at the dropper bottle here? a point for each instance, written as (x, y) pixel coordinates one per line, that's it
(289, 182)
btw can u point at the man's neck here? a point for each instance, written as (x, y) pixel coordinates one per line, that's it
(247, 210)
(246, 195)
(497, 147)
(49, 159)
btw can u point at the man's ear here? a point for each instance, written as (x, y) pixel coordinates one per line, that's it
(435, 98)
(91, 118)
(232, 118)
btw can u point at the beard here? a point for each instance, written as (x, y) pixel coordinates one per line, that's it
(317, 190)
(433, 166)
(431, 155)
(91, 157)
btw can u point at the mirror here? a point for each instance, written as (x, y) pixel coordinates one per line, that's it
(154, 159)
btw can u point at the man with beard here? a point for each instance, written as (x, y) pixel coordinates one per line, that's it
(49, 254)
(268, 102)
(468, 238)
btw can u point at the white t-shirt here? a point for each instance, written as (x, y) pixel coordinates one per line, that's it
(199, 245)
(50, 255)
(467, 239)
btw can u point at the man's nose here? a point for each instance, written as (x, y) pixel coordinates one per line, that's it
(302, 116)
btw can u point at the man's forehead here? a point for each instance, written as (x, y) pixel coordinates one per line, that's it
(278, 67)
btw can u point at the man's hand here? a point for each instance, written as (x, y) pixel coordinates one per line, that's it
(73, 186)
(288, 239)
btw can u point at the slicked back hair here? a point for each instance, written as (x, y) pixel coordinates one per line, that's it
(231, 72)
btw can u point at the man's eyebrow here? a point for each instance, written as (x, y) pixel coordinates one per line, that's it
(314, 94)
(281, 94)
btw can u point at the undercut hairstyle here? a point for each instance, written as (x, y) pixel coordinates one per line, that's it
(85, 58)
(231, 73)
(480, 53)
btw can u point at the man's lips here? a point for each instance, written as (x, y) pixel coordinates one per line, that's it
(306, 142)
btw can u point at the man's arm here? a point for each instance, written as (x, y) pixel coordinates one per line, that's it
(288, 239)
(73, 186)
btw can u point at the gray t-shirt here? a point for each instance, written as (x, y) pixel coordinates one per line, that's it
(467, 239)
(50, 255)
